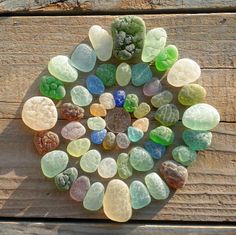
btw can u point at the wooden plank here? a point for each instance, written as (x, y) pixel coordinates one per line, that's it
(23, 62)
(102, 6)
(208, 196)
(17, 228)
(219, 83)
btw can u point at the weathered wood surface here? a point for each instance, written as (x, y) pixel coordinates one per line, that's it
(208, 196)
(26, 45)
(26, 48)
(15, 228)
(103, 6)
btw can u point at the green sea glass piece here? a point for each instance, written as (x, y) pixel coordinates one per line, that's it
(202, 117)
(139, 195)
(142, 110)
(197, 140)
(107, 73)
(166, 58)
(65, 179)
(162, 135)
(51, 87)
(60, 67)
(81, 96)
(89, 161)
(128, 34)
(124, 167)
(54, 162)
(123, 74)
(140, 159)
(94, 197)
(131, 102)
(156, 186)
(141, 74)
(155, 41)
(191, 94)
(167, 115)
(184, 155)
(162, 98)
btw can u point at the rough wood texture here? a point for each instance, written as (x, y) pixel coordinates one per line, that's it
(80, 6)
(26, 48)
(26, 45)
(208, 196)
(13, 228)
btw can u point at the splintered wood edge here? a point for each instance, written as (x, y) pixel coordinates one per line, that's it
(115, 6)
(114, 228)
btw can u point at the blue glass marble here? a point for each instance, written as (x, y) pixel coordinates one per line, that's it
(98, 136)
(141, 74)
(154, 149)
(119, 96)
(95, 85)
(134, 134)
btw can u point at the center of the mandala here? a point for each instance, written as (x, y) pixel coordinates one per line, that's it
(118, 120)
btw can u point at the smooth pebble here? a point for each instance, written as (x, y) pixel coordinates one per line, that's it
(77, 148)
(124, 167)
(107, 168)
(123, 74)
(89, 161)
(107, 100)
(94, 85)
(96, 123)
(73, 130)
(81, 96)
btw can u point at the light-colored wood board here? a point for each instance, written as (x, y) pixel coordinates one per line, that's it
(209, 194)
(32, 41)
(17, 228)
(104, 6)
(220, 85)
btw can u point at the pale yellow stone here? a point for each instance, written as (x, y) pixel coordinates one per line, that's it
(142, 110)
(142, 124)
(116, 202)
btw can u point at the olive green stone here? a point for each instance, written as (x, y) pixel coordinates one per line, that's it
(184, 155)
(131, 102)
(53, 163)
(167, 115)
(156, 186)
(107, 73)
(197, 140)
(124, 168)
(109, 141)
(162, 135)
(191, 94)
(142, 110)
(52, 87)
(140, 159)
(158, 100)
(65, 179)
(89, 161)
(128, 34)
(123, 74)
(139, 195)
(94, 197)
(166, 58)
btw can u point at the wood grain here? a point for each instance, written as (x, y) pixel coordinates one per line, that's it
(208, 196)
(80, 6)
(26, 48)
(26, 45)
(15, 228)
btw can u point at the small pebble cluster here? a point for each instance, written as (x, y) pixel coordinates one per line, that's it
(119, 120)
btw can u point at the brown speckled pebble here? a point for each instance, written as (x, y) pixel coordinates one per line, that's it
(174, 174)
(46, 141)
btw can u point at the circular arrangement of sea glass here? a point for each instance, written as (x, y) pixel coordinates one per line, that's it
(119, 120)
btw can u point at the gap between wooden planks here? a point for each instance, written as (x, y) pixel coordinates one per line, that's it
(114, 6)
(12, 228)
